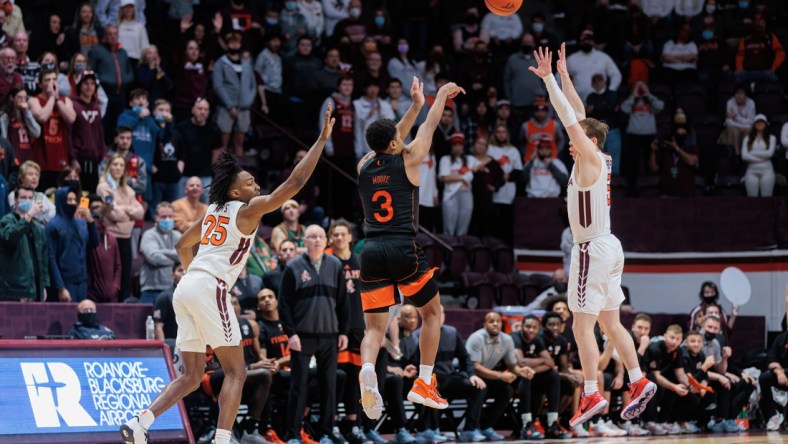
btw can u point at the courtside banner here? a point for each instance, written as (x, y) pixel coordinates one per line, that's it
(83, 391)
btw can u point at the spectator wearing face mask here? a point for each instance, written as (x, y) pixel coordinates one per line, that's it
(583, 64)
(103, 261)
(335, 11)
(67, 83)
(294, 25)
(759, 55)
(675, 160)
(158, 254)
(88, 326)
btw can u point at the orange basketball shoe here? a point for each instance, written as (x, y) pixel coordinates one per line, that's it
(427, 395)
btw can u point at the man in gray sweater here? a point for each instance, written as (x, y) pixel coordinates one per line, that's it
(158, 253)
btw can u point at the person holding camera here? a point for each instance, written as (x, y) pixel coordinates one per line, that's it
(675, 160)
(642, 108)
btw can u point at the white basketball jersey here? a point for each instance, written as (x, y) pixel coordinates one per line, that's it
(589, 208)
(223, 248)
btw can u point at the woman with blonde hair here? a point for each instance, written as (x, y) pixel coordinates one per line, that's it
(29, 175)
(122, 210)
(132, 35)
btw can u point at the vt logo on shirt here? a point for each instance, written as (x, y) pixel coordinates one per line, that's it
(89, 115)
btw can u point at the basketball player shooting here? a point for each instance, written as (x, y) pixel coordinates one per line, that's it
(202, 298)
(595, 293)
(388, 183)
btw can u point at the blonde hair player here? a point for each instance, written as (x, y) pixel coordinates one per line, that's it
(597, 258)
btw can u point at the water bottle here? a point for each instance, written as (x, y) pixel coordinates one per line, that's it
(150, 330)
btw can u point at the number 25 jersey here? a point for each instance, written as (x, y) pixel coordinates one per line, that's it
(223, 248)
(391, 202)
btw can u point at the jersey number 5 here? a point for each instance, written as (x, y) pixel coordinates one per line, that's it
(386, 212)
(216, 233)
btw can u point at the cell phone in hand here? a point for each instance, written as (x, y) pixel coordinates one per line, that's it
(84, 202)
(108, 199)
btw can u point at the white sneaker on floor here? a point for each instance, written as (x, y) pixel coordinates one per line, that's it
(634, 429)
(132, 432)
(616, 430)
(656, 428)
(672, 428)
(775, 422)
(689, 427)
(371, 400)
(580, 432)
(602, 428)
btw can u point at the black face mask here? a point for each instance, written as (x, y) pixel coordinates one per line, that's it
(233, 52)
(681, 138)
(70, 210)
(48, 66)
(709, 299)
(87, 319)
(527, 49)
(471, 19)
(709, 336)
(560, 287)
(586, 47)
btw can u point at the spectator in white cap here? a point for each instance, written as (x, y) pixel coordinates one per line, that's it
(456, 172)
(757, 150)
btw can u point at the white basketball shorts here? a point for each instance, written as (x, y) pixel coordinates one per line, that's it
(595, 275)
(204, 313)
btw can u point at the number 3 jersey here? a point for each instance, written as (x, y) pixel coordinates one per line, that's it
(391, 202)
(223, 248)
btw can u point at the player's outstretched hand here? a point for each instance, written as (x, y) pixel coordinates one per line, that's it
(560, 65)
(544, 60)
(328, 124)
(417, 92)
(452, 89)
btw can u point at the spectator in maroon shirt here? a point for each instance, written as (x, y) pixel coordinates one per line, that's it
(104, 260)
(191, 81)
(759, 55)
(9, 78)
(87, 132)
(676, 161)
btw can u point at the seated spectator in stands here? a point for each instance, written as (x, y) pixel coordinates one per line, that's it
(115, 72)
(109, 11)
(122, 211)
(488, 177)
(642, 108)
(287, 251)
(191, 81)
(456, 173)
(144, 132)
(558, 285)
(757, 150)
(680, 58)
(759, 55)
(9, 77)
(188, 209)
(367, 109)
(198, 140)
(675, 161)
(695, 369)
(136, 168)
(88, 326)
(24, 252)
(151, 76)
(533, 131)
(454, 383)
(532, 353)
(70, 235)
(234, 86)
(492, 352)
(55, 114)
(774, 377)
(403, 66)
(290, 228)
(18, 126)
(603, 104)
(274, 354)
(501, 33)
(85, 32)
(104, 267)
(29, 175)
(28, 68)
(740, 115)
(87, 132)
(544, 175)
(165, 325)
(158, 254)
(465, 36)
(583, 64)
(558, 348)
(663, 361)
(408, 321)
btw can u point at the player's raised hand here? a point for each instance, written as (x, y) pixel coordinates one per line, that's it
(328, 124)
(560, 65)
(452, 89)
(417, 92)
(544, 60)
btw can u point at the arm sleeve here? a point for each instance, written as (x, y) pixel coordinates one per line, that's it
(287, 296)
(560, 103)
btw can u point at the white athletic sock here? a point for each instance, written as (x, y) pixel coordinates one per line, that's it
(425, 373)
(590, 387)
(222, 436)
(551, 418)
(526, 417)
(146, 419)
(635, 375)
(369, 368)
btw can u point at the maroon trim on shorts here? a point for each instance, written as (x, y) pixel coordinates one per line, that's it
(221, 304)
(582, 276)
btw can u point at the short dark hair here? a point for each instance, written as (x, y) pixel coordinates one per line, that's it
(392, 81)
(380, 134)
(139, 92)
(304, 37)
(24, 187)
(531, 317)
(538, 15)
(94, 198)
(550, 315)
(122, 129)
(344, 78)
(44, 73)
(692, 333)
(176, 265)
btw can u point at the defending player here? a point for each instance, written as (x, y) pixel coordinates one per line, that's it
(597, 257)
(389, 188)
(202, 298)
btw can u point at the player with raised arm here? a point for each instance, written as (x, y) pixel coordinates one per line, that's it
(388, 183)
(597, 257)
(202, 297)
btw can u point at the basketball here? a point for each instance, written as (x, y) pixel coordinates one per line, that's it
(503, 7)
